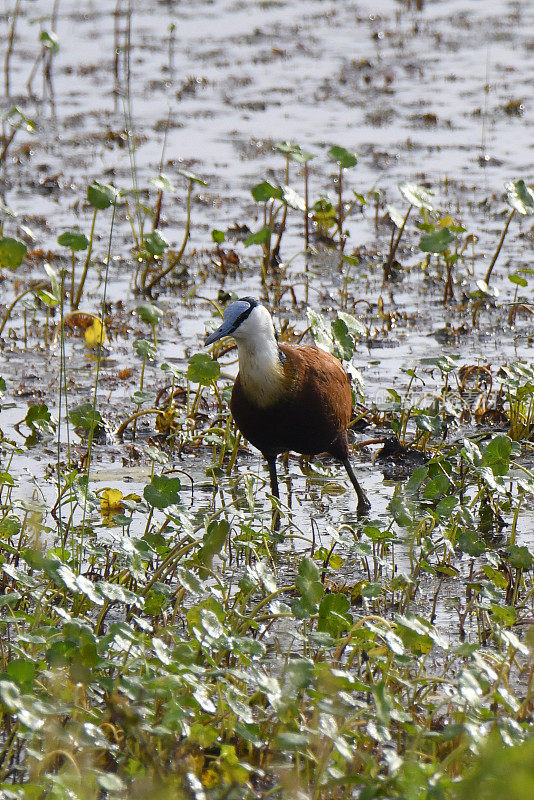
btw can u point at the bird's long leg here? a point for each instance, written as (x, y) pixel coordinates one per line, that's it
(271, 462)
(363, 503)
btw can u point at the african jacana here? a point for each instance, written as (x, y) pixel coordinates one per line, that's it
(286, 397)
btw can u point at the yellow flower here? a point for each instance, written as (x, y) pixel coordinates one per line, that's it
(111, 502)
(95, 333)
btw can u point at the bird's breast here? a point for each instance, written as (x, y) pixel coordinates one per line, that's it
(263, 382)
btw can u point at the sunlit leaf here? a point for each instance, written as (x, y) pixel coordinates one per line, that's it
(520, 197)
(111, 501)
(395, 216)
(190, 176)
(294, 199)
(163, 183)
(416, 195)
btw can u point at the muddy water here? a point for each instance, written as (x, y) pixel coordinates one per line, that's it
(441, 96)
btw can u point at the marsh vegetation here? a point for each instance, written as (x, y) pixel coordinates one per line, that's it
(158, 636)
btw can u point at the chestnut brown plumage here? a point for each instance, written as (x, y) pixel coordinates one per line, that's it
(287, 397)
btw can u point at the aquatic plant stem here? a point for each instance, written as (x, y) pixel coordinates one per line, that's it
(394, 245)
(76, 302)
(97, 375)
(175, 260)
(306, 209)
(34, 288)
(499, 247)
(342, 238)
(62, 391)
(9, 51)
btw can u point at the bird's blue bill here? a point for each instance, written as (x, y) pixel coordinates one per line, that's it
(225, 330)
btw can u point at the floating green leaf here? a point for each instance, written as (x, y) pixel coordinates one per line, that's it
(162, 491)
(85, 416)
(150, 313)
(345, 158)
(519, 557)
(213, 542)
(333, 616)
(265, 191)
(74, 240)
(218, 236)
(308, 583)
(12, 252)
(102, 195)
(263, 236)
(437, 241)
(497, 454)
(203, 369)
(155, 243)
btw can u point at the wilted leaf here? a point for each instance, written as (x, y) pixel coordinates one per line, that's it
(95, 333)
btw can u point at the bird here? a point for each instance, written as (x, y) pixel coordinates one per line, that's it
(286, 397)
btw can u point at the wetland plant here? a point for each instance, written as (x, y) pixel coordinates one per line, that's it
(101, 197)
(156, 642)
(521, 199)
(151, 275)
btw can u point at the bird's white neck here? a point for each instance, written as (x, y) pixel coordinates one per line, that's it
(260, 370)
